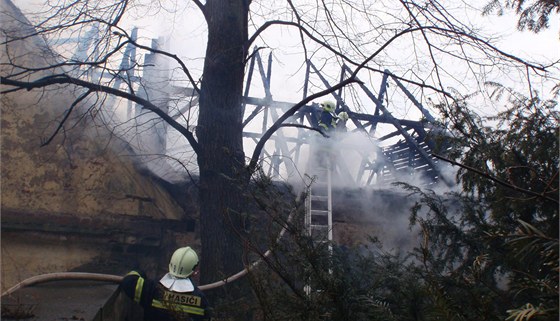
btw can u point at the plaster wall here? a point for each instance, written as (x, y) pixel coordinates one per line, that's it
(23, 256)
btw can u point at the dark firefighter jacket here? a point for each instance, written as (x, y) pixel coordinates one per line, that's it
(327, 120)
(160, 304)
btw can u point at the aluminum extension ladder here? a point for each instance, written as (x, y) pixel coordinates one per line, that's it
(318, 214)
(318, 210)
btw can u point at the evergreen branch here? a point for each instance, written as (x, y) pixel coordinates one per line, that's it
(495, 179)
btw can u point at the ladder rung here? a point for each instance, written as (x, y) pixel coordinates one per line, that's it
(320, 191)
(320, 212)
(319, 197)
(319, 226)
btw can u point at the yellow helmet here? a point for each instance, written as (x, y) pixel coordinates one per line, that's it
(183, 262)
(328, 105)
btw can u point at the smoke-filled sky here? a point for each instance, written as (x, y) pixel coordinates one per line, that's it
(184, 30)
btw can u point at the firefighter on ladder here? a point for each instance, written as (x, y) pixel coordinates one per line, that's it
(329, 122)
(327, 118)
(174, 297)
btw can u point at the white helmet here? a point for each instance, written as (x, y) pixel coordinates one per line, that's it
(343, 116)
(183, 262)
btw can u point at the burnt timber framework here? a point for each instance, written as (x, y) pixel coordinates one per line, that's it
(409, 155)
(401, 151)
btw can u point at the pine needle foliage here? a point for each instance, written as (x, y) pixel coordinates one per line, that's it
(533, 15)
(490, 251)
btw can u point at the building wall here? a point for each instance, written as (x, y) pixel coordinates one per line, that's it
(81, 175)
(80, 200)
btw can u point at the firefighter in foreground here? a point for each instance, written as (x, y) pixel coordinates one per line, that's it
(174, 297)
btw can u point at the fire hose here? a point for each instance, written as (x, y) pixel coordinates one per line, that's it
(117, 279)
(113, 278)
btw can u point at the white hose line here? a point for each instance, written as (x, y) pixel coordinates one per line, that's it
(63, 276)
(114, 278)
(117, 279)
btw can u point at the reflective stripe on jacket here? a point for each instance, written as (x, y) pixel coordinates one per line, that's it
(161, 304)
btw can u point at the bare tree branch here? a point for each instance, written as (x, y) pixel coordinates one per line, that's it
(423, 29)
(66, 116)
(65, 79)
(306, 127)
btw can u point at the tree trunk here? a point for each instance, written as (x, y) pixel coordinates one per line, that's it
(221, 159)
